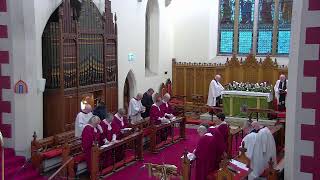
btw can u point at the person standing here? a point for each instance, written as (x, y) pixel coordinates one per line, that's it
(135, 109)
(82, 119)
(215, 92)
(280, 90)
(147, 102)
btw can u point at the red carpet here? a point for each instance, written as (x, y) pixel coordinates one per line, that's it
(13, 166)
(170, 155)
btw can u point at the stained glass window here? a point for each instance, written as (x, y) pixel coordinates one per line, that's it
(226, 26)
(246, 18)
(265, 26)
(246, 30)
(285, 14)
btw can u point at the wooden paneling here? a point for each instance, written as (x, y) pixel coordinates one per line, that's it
(194, 78)
(79, 59)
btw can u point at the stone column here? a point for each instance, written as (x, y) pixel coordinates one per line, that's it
(302, 156)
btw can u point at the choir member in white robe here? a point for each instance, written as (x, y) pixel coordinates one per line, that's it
(82, 119)
(260, 147)
(215, 92)
(280, 90)
(135, 109)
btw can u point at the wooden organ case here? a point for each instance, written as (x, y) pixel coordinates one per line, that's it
(79, 59)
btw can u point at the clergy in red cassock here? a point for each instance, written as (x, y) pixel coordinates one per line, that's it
(90, 135)
(205, 153)
(108, 137)
(119, 122)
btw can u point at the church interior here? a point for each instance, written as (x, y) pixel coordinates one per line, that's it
(160, 89)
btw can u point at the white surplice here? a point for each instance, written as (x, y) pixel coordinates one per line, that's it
(215, 89)
(268, 146)
(81, 120)
(134, 110)
(276, 89)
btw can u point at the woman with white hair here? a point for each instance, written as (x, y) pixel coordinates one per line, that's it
(165, 107)
(90, 135)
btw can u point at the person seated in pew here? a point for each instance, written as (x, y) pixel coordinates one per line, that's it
(158, 117)
(166, 108)
(135, 109)
(108, 132)
(207, 152)
(100, 110)
(119, 123)
(260, 148)
(90, 135)
(82, 119)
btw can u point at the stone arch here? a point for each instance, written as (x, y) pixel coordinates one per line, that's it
(130, 88)
(152, 26)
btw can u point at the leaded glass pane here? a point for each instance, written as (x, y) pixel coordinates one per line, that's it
(245, 42)
(246, 18)
(227, 8)
(264, 42)
(265, 26)
(284, 42)
(285, 15)
(226, 41)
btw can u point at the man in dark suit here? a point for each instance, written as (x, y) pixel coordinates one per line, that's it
(147, 102)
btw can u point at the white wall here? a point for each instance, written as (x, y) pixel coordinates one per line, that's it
(131, 36)
(196, 31)
(28, 20)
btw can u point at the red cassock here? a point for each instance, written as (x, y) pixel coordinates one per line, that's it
(166, 108)
(206, 157)
(89, 136)
(220, 134)
(155, 114)
(107, 134)
(117, 125)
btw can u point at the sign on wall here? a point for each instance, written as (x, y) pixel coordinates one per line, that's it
(131, 57)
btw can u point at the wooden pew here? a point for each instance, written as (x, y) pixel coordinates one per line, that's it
(274, 173)
(98, 170)
(48, 149)
(172, 139)
(163, 171)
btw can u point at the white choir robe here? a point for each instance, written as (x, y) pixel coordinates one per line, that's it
(276, 90)
(81, 120)
(134, 110)
(255, 154)
(268, 146)
(215, 90)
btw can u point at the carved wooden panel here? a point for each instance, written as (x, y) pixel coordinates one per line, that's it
(190, 83)
(194, 78)
(180, 81)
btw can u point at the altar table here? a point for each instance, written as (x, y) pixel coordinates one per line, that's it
(236, 102)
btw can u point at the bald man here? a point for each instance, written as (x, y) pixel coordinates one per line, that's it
(215, 92)
(135, 109)
(280, 90)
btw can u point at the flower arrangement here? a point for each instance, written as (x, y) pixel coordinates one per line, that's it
(262, 87)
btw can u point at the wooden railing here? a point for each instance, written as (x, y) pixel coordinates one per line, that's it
(66, 171)
(194, 78)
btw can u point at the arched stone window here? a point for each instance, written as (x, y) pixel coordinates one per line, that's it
(152, 38)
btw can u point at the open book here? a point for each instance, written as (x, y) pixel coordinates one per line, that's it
(239, 164)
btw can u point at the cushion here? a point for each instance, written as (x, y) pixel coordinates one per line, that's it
(52, 153)
(107, 170)
(79, 158)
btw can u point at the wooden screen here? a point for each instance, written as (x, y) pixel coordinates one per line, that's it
(79, 60)
(194, 78)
